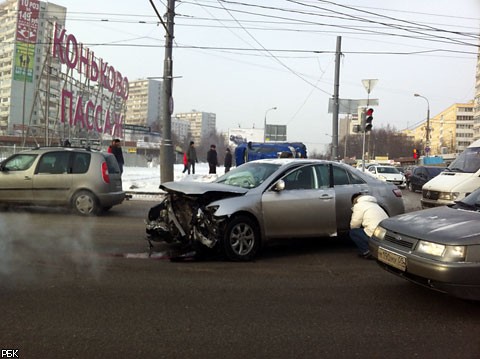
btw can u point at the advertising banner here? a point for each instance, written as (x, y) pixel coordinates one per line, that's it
(27, 24)
(27, 28)
(24, 54)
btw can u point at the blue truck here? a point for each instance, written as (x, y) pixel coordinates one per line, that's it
(251, 151)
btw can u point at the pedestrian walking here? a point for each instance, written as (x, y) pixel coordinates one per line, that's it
(116, 150)
(227, 162)
(212, 159)
(185, 162)
(191, 157)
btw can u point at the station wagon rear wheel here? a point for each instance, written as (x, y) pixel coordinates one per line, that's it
(85, 203)
(241, 241)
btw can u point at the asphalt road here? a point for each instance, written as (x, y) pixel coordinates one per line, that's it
(74, 287)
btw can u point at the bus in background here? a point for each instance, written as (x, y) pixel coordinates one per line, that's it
(251, 151)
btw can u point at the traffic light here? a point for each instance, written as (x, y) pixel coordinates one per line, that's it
(368, 120)
(415, 153)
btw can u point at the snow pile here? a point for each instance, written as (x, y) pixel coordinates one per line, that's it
(147, 179)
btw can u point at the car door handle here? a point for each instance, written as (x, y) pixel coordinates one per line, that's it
(27, 178)
(326, 196)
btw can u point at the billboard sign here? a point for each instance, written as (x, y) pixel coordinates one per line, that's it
(26, 37)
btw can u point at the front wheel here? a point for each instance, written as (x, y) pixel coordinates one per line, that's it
(241, 241)
(85, 203)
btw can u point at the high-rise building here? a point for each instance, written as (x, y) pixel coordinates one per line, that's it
(144, 105)
(53, 87)
(476, 109)
(201, 123)
(451, 131)
(26, 29)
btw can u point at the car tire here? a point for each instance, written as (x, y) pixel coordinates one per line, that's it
(241, 240)
(85, 203)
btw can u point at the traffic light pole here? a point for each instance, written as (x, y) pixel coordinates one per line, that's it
(368, 84)
(363, 139)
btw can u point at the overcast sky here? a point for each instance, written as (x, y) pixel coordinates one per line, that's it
(240, 58)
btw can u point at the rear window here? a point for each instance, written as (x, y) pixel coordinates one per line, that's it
(435, 171)
(112, 164)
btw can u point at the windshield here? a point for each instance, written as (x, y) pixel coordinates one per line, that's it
(468, 161)
(387, 170)
(248, 175)
(472, 200)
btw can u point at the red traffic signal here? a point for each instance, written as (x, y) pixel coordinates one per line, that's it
(368, 119)
(415, 153)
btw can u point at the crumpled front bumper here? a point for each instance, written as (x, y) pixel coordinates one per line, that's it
(185, 224)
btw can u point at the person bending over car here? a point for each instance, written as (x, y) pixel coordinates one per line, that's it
(366, 215)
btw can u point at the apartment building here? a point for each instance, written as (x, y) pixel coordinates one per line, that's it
(451, 131)
(28, 98)
(476, 110)
(200, 123)
(144, 105)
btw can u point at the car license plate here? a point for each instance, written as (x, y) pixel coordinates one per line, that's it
(393, 259)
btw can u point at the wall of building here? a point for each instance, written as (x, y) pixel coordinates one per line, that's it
(451, 131)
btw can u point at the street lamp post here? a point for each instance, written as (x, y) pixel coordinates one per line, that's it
(265, 124)
(427, 142)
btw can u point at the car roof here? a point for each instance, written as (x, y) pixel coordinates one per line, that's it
(57, 148)
(287, 161)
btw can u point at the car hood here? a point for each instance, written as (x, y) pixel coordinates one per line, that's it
(201, 188)
(445, 180)
(443, 225)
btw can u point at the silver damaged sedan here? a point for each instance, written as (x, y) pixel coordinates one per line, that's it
(261, 200)
(438, 247)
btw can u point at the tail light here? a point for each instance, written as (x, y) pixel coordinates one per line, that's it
(397, 192)
(105, 175)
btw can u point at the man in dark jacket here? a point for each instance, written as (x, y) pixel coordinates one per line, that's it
(116, 150)
(212, 159)
(191, 157)
(227, 162)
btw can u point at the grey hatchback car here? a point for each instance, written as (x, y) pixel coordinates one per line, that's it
(261, 200)
(84, 180)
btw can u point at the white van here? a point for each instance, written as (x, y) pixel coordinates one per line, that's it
(459, 179)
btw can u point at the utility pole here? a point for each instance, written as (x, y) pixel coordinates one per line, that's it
(336, 99)
(166, 148)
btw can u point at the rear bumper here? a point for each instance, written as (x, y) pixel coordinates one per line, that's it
(111, 199)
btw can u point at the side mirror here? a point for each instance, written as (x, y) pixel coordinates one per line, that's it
(279, 186)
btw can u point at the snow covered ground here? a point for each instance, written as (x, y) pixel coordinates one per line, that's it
(147, 179)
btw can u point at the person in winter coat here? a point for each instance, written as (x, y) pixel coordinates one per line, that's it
(366, 215)
(116, 150)
(212, 159)
(227, 162)
(191, 157)
(185, 162)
